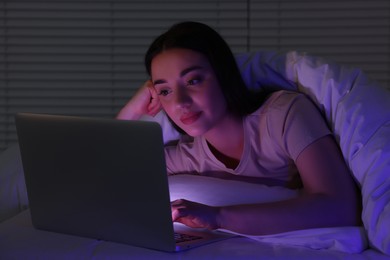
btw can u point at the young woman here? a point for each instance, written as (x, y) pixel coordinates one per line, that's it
(232, 133)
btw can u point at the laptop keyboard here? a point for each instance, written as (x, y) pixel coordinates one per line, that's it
(185, 237)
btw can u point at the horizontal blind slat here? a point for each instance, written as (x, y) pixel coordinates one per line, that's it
(354, 33)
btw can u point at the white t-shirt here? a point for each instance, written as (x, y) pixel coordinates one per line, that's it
(274, 136)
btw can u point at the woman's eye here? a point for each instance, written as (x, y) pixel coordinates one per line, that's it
(193, 81)
(164, 92)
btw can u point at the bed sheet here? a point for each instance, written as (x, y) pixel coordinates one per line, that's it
(20, 240)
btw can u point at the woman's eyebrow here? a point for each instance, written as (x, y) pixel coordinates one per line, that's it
(159, 81)
(182, 73)
(188, 70)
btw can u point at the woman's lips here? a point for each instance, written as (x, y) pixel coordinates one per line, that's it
(190, 118)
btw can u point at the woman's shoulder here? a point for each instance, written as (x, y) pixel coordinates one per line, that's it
(280, 101)
(284, 97)
(285, 107)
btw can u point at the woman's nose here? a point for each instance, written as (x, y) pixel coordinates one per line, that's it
(183, 97)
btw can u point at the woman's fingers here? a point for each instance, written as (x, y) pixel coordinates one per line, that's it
(178, 209)
(194, 214)
(154, 105)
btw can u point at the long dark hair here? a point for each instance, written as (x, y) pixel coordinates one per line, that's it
(203, 39)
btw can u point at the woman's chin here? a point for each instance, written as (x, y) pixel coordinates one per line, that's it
(194, 132)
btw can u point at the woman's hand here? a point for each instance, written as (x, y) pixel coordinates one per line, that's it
(194, 214)
(144, 102)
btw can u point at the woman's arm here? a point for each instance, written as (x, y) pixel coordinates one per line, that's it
(329, 198)
(144, 102)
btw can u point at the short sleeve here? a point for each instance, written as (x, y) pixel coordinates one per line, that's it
(183, 156)
(295, 122)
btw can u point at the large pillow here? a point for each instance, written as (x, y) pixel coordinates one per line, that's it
(219, 192)
(357, 110)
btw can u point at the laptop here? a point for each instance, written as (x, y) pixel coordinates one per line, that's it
(102, 178)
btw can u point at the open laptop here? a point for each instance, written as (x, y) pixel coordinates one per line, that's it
(101, 178)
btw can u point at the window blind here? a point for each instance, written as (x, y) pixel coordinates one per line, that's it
(85, 57)
(352, 32)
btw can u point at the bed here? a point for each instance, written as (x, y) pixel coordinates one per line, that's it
(357, 110)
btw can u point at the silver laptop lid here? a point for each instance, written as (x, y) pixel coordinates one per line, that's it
(99, 178)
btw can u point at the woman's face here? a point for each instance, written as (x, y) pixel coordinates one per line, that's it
(188, 90)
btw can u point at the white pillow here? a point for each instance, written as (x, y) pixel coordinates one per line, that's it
(219, 192)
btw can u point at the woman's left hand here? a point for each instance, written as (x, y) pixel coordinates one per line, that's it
(194, 214)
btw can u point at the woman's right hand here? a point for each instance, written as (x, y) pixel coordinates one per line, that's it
(144, 102)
